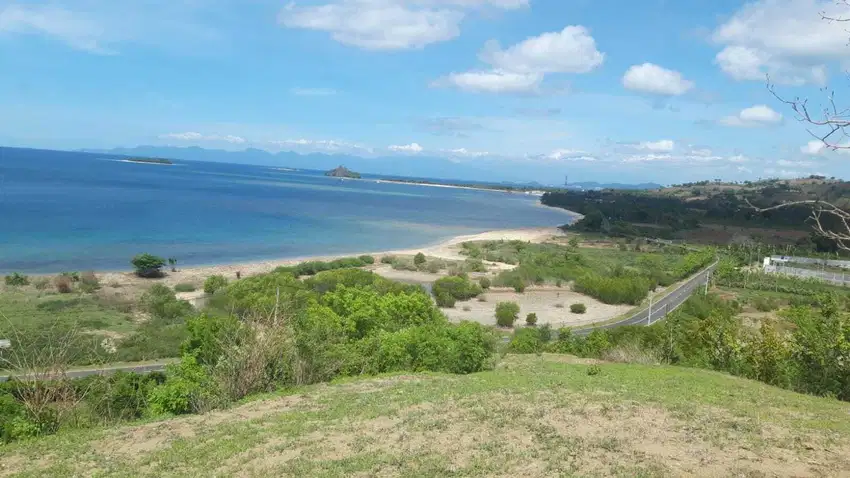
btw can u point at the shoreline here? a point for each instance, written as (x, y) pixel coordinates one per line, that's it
(444, 249)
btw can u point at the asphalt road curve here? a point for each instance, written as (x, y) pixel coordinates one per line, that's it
(662, 306)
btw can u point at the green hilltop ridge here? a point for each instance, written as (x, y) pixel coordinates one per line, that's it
(549, 415)
(342, 172)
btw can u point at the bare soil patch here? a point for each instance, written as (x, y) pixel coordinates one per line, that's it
(552, 306)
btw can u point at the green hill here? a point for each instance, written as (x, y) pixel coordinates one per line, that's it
(532, 416)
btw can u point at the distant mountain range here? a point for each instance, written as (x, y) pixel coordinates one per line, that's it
(480, 170)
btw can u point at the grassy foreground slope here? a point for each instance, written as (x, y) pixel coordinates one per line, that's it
(532, 416)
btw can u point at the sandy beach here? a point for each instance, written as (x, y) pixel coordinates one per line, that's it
(551, 304)
(449, 250)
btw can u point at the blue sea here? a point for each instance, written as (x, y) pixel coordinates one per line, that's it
(62, 211)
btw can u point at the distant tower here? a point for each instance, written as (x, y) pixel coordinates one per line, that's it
(566, 180)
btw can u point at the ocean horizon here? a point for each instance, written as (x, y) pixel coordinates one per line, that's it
(65, 211)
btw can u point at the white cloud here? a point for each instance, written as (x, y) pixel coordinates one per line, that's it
(467, 153)
(786, 39)
(521, 68)
(650, 78)
(758, 115)
(738, 158)
(784, 173)
(197, 137)
(492, 82)
(801, 164)
(388, 24)
(76, 29)
(572, 50)
(813, 148)
(406, 148)
(101, 26)
(664, 145)
(313, 91)
(326, 145)
(569, 155)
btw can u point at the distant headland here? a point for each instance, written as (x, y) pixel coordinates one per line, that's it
(342, 172)
(149, 160)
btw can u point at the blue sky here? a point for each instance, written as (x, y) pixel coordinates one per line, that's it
(601, 90)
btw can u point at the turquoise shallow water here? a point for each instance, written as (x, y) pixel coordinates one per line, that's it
(73, 211)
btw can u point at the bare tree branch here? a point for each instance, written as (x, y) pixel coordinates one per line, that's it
(841, 236)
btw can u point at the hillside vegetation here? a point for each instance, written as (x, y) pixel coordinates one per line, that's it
(531, 416)
(706, 207)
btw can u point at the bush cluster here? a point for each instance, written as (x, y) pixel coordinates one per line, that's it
(507, 313)
(448, 290)
(17, 279)
(314, 267)
(260, 334)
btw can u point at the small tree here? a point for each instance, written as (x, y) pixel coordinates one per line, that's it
(419, 259)
(17, 279)
(506, 313)
(173, 263)
(148, 265)
(578, 308)
(531, 319)
(574, 242)
(484, 282)
(214, 283)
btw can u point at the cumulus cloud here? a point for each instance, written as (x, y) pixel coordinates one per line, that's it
(494, 81)
(406, 148)
(388, 24)
(198, 137)
(758, 115)
(653, 79)
(813, 148)
(521, 67)
(664, 145)
(572, 50)
(786, 39)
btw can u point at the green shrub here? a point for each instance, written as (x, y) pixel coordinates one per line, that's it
(578, 308)
(161, 302)
(214, 283)
(625, 289)
(387, 259)
(545, 332)
(17, 279)
(185, 287)
(89, 282)
(434, 266)
(71, 275)
(120, 396)
(484, 282)
(187, 389)
(147, 265)
(765, 304)
(419, 259)
(526, 341)
(506, 313)
(368, 260)
(531, 319)
(404, 265)
(447, 290)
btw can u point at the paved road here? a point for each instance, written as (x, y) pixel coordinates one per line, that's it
(660, 309)
(662, 306)
(107, 370)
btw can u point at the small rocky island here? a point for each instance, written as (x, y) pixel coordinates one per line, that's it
(149, 160)
(342, 172)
